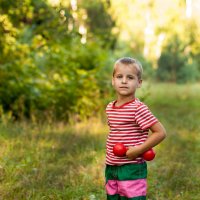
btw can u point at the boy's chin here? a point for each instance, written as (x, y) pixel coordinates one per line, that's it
(125, 94)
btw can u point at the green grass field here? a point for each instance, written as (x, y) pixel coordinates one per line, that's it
(66, 162)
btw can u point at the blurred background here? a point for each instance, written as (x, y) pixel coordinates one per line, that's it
(55, 55)
(56, 59)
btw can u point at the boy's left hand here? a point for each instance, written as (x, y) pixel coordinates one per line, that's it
(133, 152)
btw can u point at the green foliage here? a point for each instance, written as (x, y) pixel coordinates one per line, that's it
(102, 25)
(56, 57)
(189, 72)
(176, 64)
(45, 70)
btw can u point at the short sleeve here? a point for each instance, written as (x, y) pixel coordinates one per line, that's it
(144, 118)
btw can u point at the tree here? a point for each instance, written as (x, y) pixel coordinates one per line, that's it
(46, 66)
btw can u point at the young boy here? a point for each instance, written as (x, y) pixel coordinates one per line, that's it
(129, 121)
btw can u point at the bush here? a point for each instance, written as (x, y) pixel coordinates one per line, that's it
(175, 65)
(45, 70)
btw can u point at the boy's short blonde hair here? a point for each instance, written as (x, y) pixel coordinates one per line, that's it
(130, 61)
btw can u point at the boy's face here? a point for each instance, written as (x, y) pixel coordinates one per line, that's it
(125, 80)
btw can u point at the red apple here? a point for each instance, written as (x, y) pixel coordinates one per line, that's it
(119, 149)
(149, 155)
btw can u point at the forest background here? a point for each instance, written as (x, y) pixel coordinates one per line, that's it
(56, 59)
(58, 55)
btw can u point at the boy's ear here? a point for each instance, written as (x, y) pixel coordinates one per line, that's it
(139, 83)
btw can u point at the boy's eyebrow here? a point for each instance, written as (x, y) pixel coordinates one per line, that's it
(126, 74)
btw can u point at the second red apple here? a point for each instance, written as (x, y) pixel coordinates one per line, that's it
(149, 155)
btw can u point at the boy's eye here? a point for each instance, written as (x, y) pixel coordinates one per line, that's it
(130, 77)
(119, 76)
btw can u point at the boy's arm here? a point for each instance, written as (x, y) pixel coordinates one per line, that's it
(158, 134)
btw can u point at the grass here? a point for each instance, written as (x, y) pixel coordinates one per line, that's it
(65, 162)
(51, 161)
(175, 172)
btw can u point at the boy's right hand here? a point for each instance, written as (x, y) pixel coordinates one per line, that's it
(133, 152)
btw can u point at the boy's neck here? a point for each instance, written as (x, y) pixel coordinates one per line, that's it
(122, 100)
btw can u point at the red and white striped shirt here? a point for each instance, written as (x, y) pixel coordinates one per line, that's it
(129, 124)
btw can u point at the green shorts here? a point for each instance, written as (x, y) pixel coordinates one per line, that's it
(126, 181)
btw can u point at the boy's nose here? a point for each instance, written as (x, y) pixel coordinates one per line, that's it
(124, 80)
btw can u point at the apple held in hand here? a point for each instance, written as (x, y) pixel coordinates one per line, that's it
(119, 149)
(149, 155)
